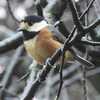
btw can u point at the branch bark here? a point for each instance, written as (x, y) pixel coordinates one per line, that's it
(11, 43)
(7, 77)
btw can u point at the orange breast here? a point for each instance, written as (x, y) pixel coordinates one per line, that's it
(45, 45)
(42, 46)
(45, 48)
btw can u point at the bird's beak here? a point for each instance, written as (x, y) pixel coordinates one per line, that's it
(22, 26)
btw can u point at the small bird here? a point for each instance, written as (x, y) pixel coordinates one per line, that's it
(43, 43)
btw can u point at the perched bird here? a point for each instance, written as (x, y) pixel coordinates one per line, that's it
(43, 43)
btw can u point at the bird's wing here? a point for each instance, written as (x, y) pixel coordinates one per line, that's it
(52, 45)
(56, 34)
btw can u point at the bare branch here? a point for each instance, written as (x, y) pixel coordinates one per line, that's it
(61, 74)
(67, 72)
(11, 13)
(11, 43)
(85, 11)
(88, 42)
(7, 76)
(75, 16)
(24, 76)
(92, 26)
(81, 59)
(79, 76)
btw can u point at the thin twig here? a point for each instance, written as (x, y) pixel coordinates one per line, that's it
(75, 16)
(93, 25)
(84, 80)
(88, 42)
(81, 59)
(61, 74)
(77, 77)
(24, 76)
(85, 11)
(11, 13)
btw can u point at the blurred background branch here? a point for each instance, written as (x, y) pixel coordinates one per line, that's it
(10, 11)
(57, 10)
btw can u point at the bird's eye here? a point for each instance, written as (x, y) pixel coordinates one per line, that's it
(30, 23)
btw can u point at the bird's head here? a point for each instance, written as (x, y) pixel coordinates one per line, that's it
(32, 24)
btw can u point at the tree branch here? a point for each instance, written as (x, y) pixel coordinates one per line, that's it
(11, 43)
(75, 16)
(8, 74)
(92, 26)
(88, 42)
(11, 13)
(61, 75)
(85, 11)
(77, 77)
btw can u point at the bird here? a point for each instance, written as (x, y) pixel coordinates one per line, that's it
(43, 44)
